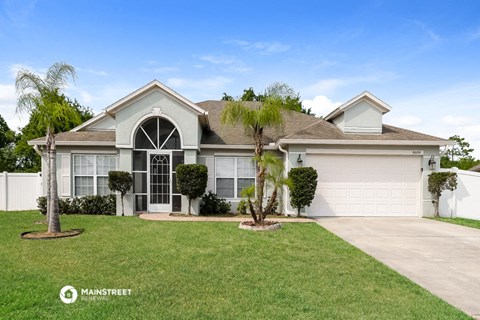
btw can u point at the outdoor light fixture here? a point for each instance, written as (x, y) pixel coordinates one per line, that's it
(432, 163)
(299, 161)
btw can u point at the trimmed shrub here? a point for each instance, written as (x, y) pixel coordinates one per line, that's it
(95, 205)
(42, 205)
(212, 204)
(120, 181)
(439, 182)
(304, 184)
(191, 181)
(242, 207)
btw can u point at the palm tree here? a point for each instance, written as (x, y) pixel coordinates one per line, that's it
(255, 119)
(41, 97)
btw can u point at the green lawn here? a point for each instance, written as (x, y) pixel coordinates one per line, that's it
(201, 270)
(464, 222)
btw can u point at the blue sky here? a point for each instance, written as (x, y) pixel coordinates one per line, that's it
(421, 57)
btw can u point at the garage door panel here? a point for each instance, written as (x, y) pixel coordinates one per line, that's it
(366, 185)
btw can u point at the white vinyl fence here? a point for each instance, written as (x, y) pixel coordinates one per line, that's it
(464, 202)
(19, 191)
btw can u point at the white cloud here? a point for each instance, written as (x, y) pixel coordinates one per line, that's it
(160, 69)
(325, 86)
(405, 121)
(434, 37)
(264, 48)
(207, 83)
(321, 105)
(8, 105)
(450, 120)
(329, 86)
(474, 35)
(94, 72)
(221, 59)
(19, 12)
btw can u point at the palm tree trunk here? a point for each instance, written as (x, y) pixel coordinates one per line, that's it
(47, 147)
(54, 222)
(260, 184)
(271, 202)
(123, 208)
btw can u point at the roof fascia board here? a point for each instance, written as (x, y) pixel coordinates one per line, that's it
(366, 142)
(155, 84)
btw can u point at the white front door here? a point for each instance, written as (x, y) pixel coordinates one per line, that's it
(159, 181)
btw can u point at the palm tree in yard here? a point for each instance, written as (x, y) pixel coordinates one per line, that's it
(41, 96)
(255, 119)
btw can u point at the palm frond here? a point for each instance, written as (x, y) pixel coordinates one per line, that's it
(58, 74)
(28, 81)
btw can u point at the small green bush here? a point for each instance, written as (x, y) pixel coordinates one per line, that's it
(212, 204)
(94, 205)
(42, 205)
(120, 181)
(439, 182)
(191, 181)
(304, 185)
(242, 207)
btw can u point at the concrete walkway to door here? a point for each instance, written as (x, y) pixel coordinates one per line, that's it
(441, 257)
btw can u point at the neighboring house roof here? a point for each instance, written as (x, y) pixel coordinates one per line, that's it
(475, 168)
(80, 138)
(302, 128)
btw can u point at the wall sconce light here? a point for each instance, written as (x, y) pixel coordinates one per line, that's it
(299, 161)
(432, 163)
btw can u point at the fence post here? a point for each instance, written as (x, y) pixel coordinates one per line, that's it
(5, 188)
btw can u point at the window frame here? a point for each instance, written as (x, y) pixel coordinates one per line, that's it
(235, 175)
(95, 175)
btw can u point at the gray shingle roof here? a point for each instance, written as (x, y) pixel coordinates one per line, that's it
(297, 126)
(80, 138)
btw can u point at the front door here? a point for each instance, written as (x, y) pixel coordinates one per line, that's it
(159, 178)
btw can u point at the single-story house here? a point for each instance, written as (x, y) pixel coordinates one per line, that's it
(365, 167)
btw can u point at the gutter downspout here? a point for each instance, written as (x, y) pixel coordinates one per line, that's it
(37, 150)
(284, 188)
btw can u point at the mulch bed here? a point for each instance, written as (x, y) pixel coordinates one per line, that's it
(42, 235)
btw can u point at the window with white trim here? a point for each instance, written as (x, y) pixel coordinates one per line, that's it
(232, 175)
(90, 173)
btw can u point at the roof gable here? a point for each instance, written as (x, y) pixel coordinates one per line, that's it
(364, 96)
(126, 101)
(361, 115)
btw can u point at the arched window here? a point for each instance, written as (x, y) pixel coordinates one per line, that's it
(157, 133)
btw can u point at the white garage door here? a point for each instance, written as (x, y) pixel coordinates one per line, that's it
(353, 185)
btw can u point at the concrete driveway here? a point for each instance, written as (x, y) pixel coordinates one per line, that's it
(441, 257)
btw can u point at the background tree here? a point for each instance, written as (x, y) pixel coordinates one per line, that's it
(459, 155)
(439, 182)
(191, 181)
(291, 99)
(41, 97)
(303, 187)
(120, 181)
(7, 139)
(27, 159)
